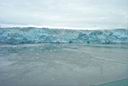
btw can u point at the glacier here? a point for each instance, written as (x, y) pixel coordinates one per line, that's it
(33, 35)
(31, 56)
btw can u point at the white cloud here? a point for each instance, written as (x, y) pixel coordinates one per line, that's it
(65, 13)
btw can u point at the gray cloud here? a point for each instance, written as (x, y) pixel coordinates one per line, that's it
(65, 13)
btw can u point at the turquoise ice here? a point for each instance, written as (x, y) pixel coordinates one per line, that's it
(31, 35)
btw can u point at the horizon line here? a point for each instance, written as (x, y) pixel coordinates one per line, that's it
(58, 27)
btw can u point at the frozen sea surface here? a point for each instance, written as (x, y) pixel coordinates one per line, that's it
(63, 65)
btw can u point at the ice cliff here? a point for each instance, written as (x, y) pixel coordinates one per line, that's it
(32, 35)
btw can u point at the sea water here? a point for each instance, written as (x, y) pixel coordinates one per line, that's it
(63, 65)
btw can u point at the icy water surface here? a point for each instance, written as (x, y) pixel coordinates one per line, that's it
(63, 65)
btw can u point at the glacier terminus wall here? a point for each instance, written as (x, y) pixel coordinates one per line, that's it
(32, 35)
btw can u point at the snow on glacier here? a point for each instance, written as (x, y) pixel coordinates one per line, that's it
(31, 35)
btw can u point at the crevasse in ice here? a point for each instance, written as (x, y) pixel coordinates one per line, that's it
(31, 35)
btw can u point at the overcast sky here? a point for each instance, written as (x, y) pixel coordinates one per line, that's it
(65, 13)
